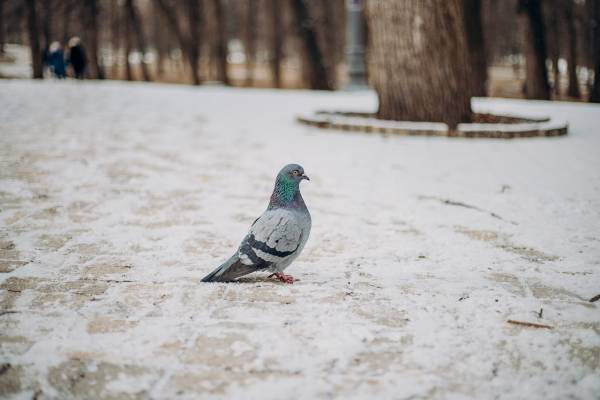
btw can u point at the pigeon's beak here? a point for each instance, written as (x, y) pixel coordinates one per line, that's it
(305, 177)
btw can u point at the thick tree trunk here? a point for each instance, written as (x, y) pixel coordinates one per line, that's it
(594, 96)
(330, 42)
(317, 72)
(221, 42)
(136, 26)
(91, 12)
(573, 90)
(34, 39)
(250, 41)
(193, 42)
(534, 40)
(276, 42)
(476, 46)
(418, 60)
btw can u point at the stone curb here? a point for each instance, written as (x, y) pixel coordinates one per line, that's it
(523, 126)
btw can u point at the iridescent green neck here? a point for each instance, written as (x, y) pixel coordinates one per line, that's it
(285, 191)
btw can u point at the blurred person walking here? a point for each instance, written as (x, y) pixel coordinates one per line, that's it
(56, 60)
(77, 57)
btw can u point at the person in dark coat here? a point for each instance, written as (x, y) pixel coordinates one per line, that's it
(56, 60)
(77, 57)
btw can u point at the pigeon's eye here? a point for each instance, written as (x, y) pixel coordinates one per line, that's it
(295, 172)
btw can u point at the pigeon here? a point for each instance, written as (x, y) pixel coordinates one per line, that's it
(277, 237)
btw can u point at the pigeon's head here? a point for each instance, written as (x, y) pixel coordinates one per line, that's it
(287, 185)
(292, 173)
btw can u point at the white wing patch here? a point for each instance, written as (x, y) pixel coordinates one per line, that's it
(244, 258)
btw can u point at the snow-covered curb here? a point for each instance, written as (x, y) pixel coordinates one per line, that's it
(533, 126)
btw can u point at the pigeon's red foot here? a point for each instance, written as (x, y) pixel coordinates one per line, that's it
(283, 277)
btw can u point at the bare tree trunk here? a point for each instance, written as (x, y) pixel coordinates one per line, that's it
(190, 46)
(115, 37)
(128, 70)
(2, 33)
(276, 42)
(194, 15)
(554, 42)
(139, 35)
(221, 44)
(573, 90)
(250, 41)
(159, 41)
(47, 23)
(67, 9)
(536, 83)
(330, 29)
(34, 39)
(317, 73)
(91, 12)
(418, 60)
(476, 46)
(594, 96)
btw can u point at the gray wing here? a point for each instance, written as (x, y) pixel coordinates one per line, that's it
(273, 238)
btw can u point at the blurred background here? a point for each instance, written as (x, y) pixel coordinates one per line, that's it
(313, 44)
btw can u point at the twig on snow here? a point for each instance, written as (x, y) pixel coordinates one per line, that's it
(108, 280)
(465, 205)
(529, 324)
(4, 312)
(595, 298)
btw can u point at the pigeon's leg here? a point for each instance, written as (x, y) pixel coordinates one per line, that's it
(283, 277)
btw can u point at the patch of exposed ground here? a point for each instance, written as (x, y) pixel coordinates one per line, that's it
(504, 242)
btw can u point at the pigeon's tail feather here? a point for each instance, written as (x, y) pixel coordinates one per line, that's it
(229, 270)
(212, 277)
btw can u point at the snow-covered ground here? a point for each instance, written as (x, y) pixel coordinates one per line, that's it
(116, 198)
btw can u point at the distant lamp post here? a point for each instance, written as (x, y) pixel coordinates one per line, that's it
(355, 54)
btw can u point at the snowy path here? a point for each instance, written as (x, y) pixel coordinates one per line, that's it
(115, 199)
